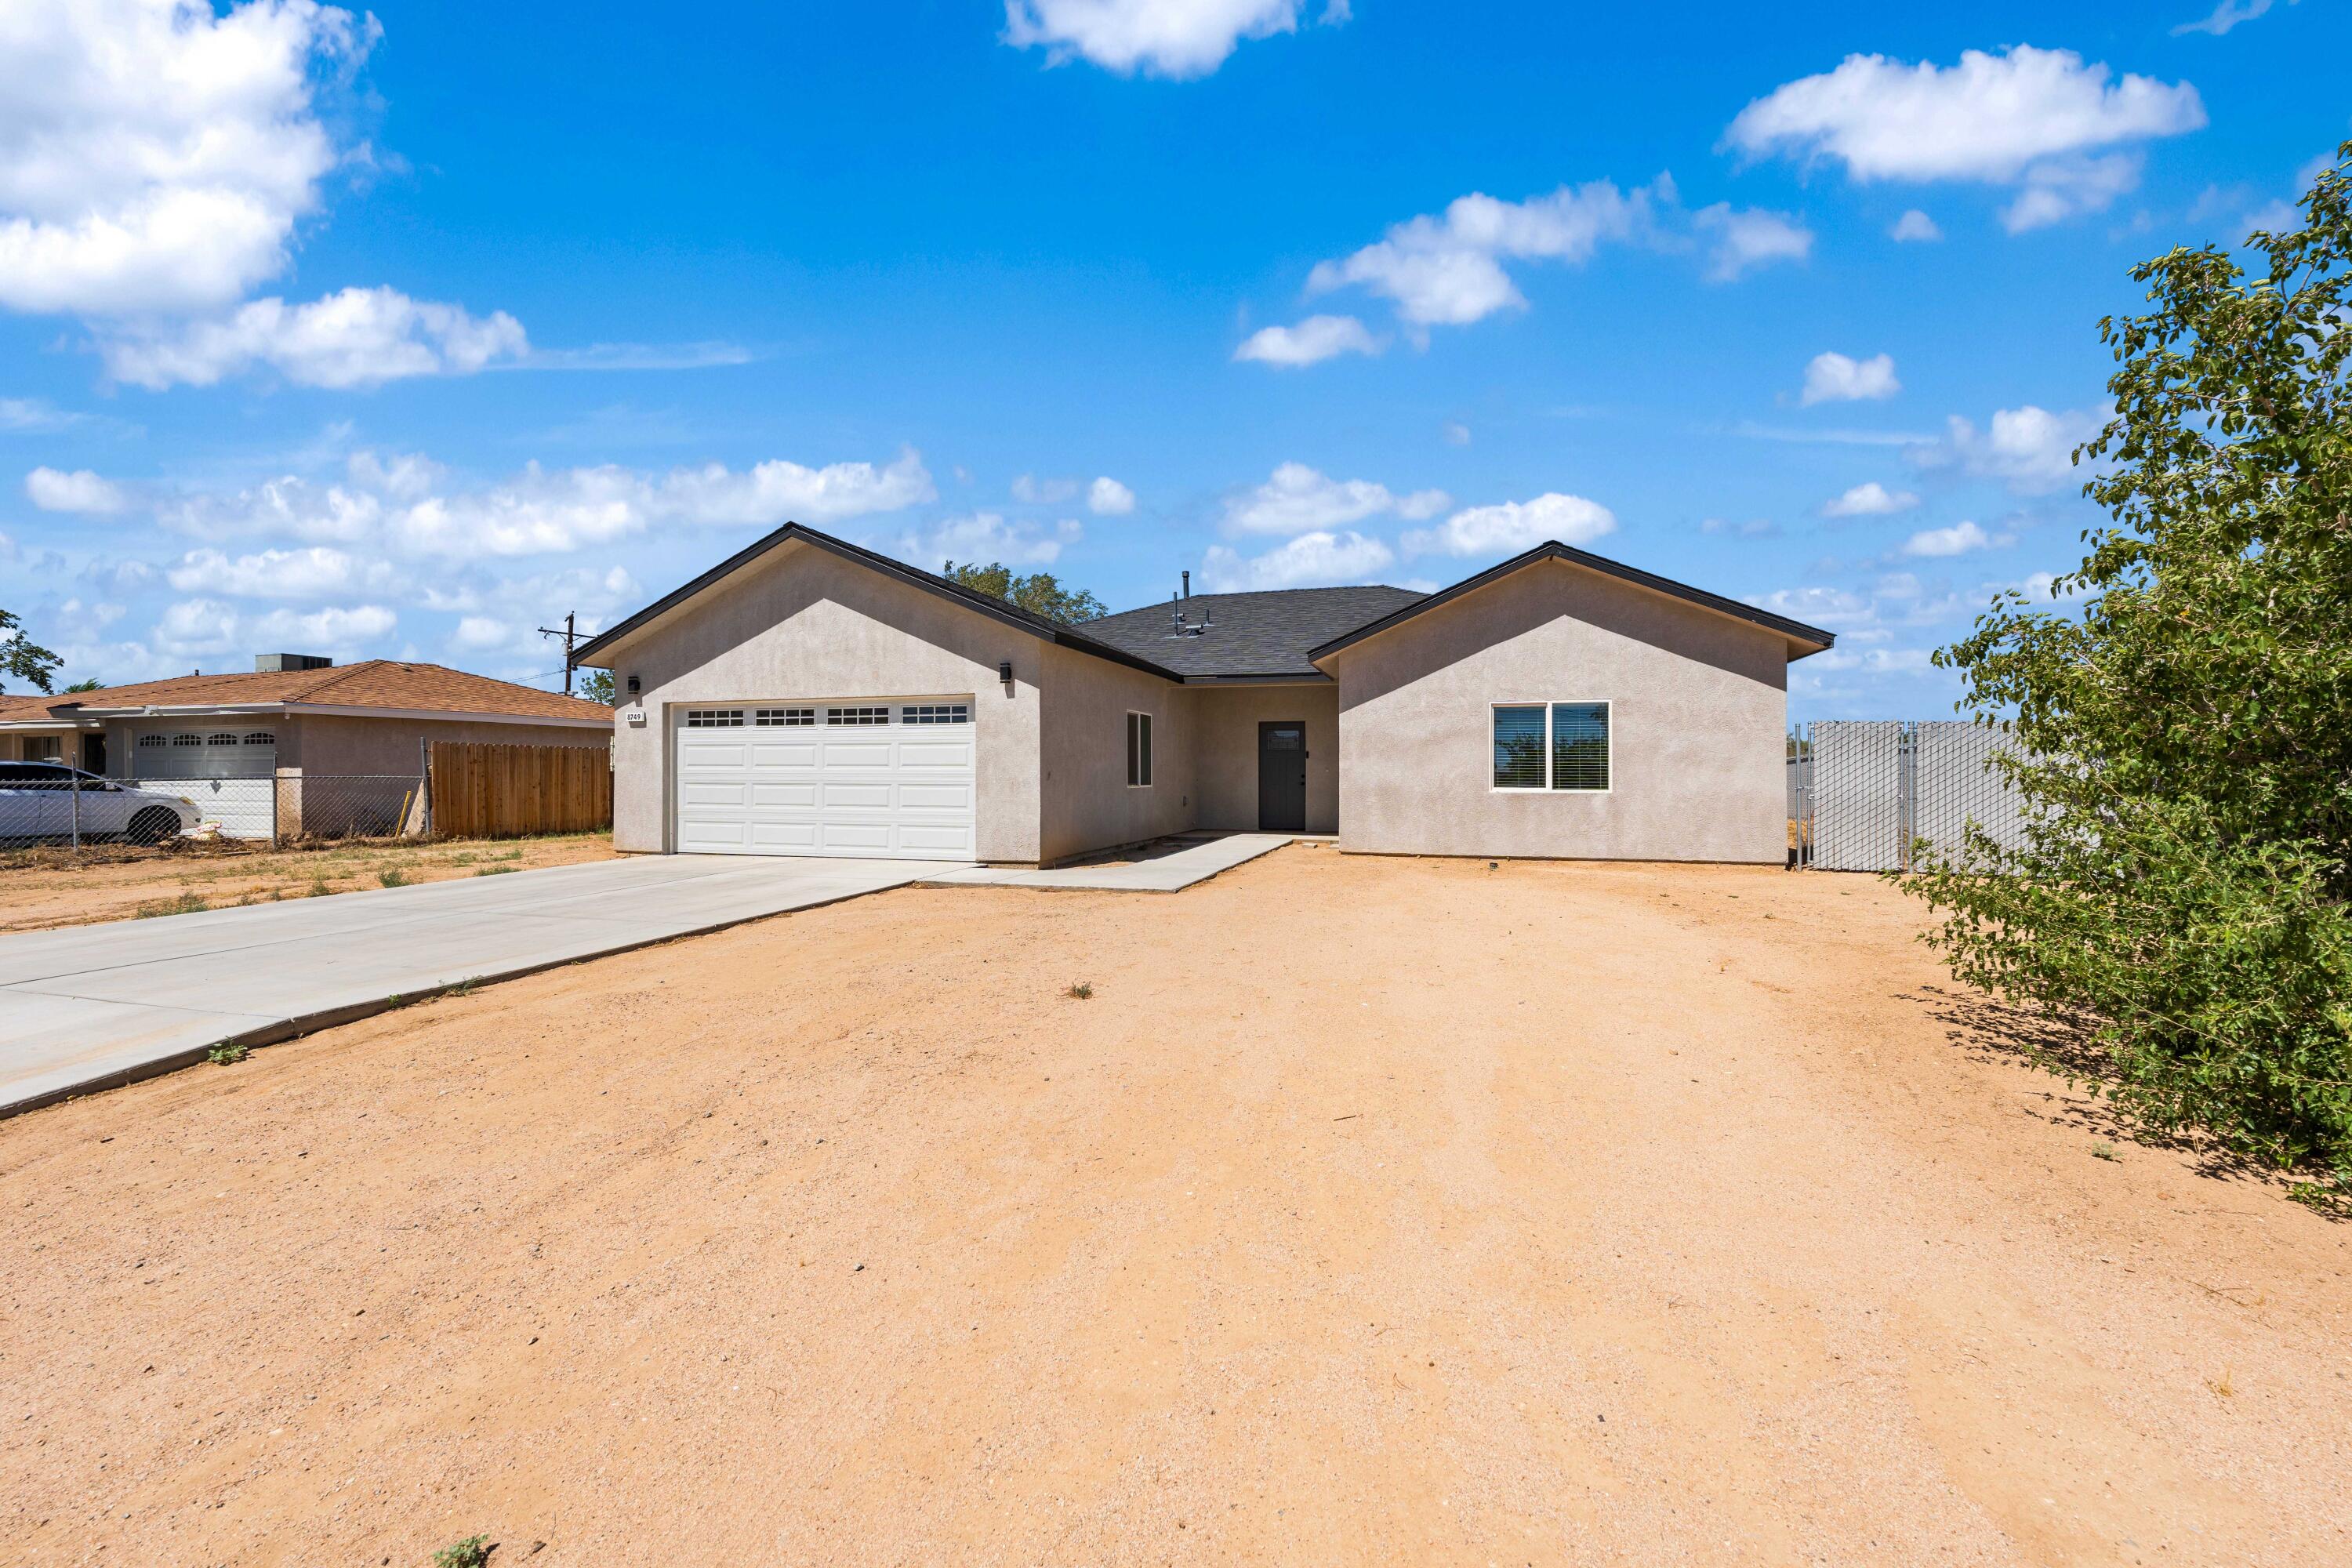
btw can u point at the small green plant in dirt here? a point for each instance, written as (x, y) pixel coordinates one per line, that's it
(471, 1552)
(320, 887)
(1079, 991)
(185, 904)
(394, 877)
(495, 870)
(227, 1056)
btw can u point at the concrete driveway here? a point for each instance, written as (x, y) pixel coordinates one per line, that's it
(87, 1007)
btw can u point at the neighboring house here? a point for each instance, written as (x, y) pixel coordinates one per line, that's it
(241, 746)
(808, 697)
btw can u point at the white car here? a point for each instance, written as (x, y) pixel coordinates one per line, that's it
(50, 801)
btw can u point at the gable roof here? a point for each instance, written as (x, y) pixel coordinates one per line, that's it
(1812, 638)
(383, 683)
(1248, 634)
(995, 608)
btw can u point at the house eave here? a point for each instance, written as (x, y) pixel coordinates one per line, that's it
(1803, 640)
(597, 652)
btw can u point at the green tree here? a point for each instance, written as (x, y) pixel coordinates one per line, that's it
(92, 684)
(1038, 593)
(21, 657)
(2186, 740)
(596, 685)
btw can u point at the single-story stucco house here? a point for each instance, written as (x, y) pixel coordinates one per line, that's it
(809, 697)
(357, 732)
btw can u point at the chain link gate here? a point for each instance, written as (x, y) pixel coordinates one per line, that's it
(1864, 792)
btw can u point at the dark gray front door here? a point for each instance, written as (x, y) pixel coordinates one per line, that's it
(1282, 777)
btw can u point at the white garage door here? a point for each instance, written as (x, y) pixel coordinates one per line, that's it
(876, 777)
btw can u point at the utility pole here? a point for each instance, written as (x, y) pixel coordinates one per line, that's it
(569, 636)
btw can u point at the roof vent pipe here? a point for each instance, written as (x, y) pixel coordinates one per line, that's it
(1188, 585)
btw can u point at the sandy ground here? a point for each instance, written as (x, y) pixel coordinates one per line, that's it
(1369, 1211)
(53, 887)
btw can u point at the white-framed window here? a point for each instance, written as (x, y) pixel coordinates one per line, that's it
(856, 716)
(1139, 750)
(1550, 748)
(785, 718)
(936, 713)
(714, 718)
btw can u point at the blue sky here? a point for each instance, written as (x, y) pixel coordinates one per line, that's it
(406, 332)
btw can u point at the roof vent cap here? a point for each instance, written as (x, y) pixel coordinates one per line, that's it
(282, 662)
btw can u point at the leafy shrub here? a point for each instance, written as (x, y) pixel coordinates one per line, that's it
(471, 1552)
(394, 878)
(2186, 743)
(227, 1056)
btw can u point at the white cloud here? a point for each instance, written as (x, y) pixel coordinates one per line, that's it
(79, 491)
(1107, 498)
(197, 627)
(1311, 560)
(2227, 14)
(1871, 499)
(778, 492)
(987, 537)
(1957, 539)
(2029, 117)
(356, 337)
(1836, 378)
(34, 415)
(1299, 499)
(2063, 188)
(1029, 489)
(402, 506)
(1513, 526)
(1456, 433)
(155, 155)
(314, 572)
(1176, 38)
(1448, 271)
(1749, 238)
(1311, 341)
(2028, 449)
(1916, 227)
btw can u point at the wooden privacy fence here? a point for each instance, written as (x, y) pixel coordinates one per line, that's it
(496, 792)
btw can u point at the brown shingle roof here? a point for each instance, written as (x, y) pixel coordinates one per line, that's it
(373, 683)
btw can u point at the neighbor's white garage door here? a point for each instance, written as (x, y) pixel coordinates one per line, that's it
(874, 777)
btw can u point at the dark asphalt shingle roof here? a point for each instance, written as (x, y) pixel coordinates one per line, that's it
(1249, 634)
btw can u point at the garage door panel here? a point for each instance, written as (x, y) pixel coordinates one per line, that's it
(713, 837)
(903, 787)
(956, 754)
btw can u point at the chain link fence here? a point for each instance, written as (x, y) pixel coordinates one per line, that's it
(47, 804)
(1865, 795)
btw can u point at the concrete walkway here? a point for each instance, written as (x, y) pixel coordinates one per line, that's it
(88, 1007)
(1155, 873)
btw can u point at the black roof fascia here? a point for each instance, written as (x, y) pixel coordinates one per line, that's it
(1553, 550)
(982, 603)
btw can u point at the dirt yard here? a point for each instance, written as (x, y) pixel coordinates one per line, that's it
(57, 887)
(1369, 1211)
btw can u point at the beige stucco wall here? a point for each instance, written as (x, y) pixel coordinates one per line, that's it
(802, 623)
(1698, 720)
(1225, 740)
(1086, 801)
